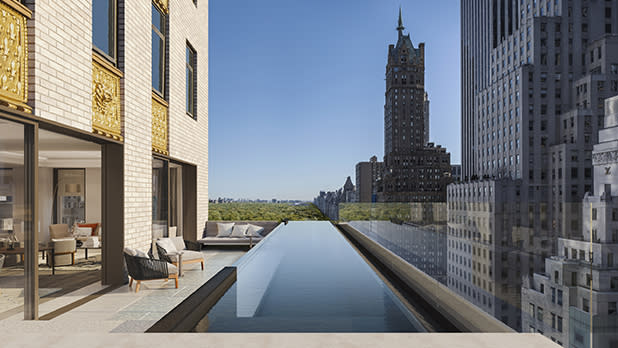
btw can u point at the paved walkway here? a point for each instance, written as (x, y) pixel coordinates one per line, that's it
(122, 310)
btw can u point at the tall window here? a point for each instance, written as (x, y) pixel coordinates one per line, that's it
(190, 90)
(158, 50)
(104, 27)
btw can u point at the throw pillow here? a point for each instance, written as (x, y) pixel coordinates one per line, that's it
(167, 244)
(254, 231)
(83, 231)
(239, 231)
(224, 229)
(179, 243)
(130, 251)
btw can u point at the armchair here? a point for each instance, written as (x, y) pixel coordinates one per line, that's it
(143, 268)
(64, 251)
(169, 248)
(59, 231)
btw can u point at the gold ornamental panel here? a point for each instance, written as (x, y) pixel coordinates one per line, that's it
(163, 5)
(106, 118)
(159, 127)
(13, 58)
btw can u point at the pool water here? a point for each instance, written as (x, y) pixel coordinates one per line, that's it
(306, 277)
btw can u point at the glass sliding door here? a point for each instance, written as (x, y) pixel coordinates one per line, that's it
(14, 217)
(176, 199)
(160, 185)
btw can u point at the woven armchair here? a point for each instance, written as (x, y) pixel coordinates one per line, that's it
(191, 245)
(142, 268)
(163, 254)
(191, 253)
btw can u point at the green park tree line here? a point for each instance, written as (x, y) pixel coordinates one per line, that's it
(263, 212)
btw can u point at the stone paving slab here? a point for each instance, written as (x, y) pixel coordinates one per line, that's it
(277, 340)
(123, 310)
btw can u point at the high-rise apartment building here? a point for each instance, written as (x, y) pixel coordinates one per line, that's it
(415, 170)
(532, 98)
(104, 120)
(581, 282)
(368, 175)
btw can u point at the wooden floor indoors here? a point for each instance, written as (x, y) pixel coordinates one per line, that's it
(65, 280)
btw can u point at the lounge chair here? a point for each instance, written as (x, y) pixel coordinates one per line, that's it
(169, 248)
(141, 268)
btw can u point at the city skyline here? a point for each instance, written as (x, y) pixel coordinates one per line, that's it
(331, 128)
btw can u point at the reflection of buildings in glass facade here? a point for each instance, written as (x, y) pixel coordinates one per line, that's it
(520, 66)
(582, 279)
(424, 247)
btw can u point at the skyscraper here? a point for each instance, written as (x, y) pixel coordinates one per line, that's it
(533, 86)
(415, 170)
(368, 174)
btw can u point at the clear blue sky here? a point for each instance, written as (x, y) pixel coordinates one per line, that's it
(296, 89)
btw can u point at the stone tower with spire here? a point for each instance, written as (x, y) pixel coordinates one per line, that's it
(416, 170)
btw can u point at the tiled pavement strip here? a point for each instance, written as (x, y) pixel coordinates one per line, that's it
(123, 310)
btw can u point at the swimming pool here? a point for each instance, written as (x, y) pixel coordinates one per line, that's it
(306, 277)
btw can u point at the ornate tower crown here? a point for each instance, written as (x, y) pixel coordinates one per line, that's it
(400, 27)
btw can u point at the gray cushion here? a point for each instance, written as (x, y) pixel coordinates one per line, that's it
(228, 241)
(224, 229)
(254, 231)
(171, 269)
(179, 243)
(167, 244)
(188, 255)
(238, 231)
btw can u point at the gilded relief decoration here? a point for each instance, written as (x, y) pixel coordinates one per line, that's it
(106, 118)
(13, 59)
(162, 4)
(159, 127)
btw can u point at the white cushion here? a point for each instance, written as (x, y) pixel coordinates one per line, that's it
(82, 231)
(179, 243)
(167, 244)
(187, 255)
(140, 253)
(224, 229)
(254, 231)
(239, 231)
(171, 269)
(130, 251)
(92, 242)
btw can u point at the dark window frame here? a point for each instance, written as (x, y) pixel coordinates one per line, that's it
(191, 70)
(163, 53)
(113, 44)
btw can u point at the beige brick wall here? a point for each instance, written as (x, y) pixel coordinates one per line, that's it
(188, 138)
(60, 61)
(136, 93)
(60, 86)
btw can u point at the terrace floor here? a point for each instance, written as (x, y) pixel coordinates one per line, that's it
(121, 309)
(118, 318)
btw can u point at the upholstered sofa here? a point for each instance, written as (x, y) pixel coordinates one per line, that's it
(213, 237)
